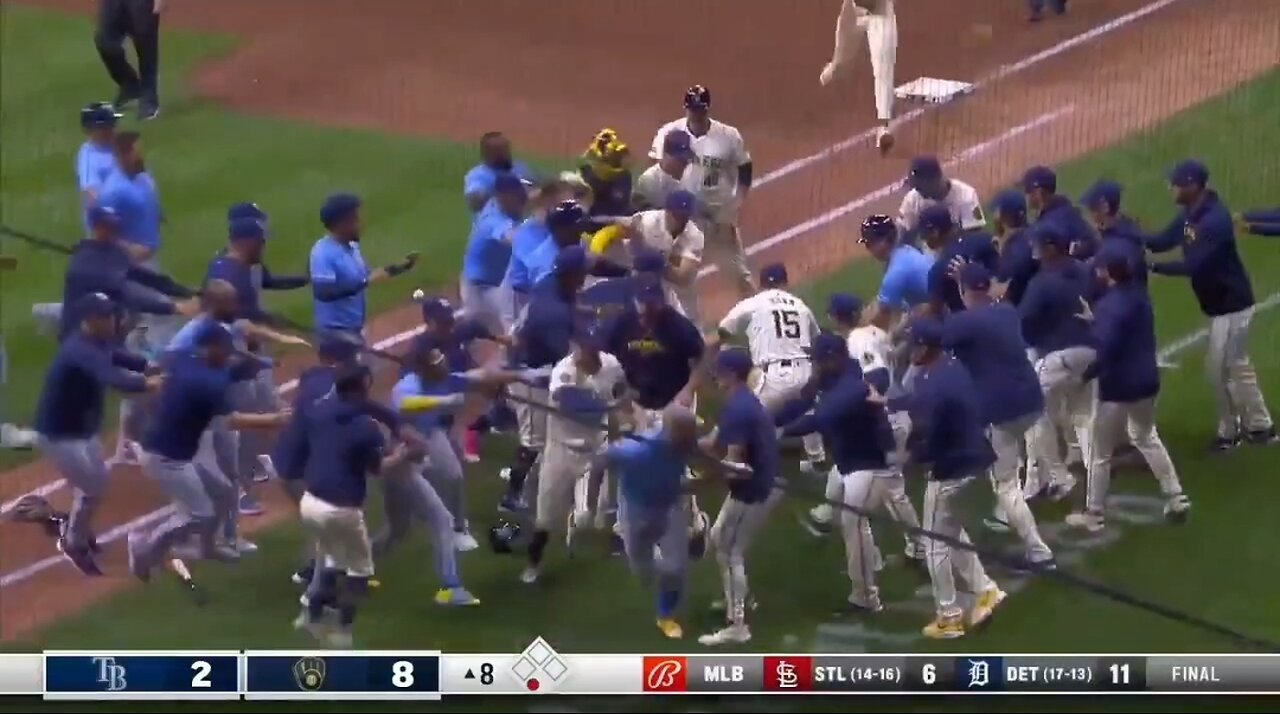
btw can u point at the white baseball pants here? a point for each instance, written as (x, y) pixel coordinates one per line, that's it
(780, 382)
(1232, 376)
(723, 244)
(880, 29)
(867, 491)
(1068, 405)
(735, 528)
(890, 492)
(1111, 422)
(945, 562)
(1011, 504)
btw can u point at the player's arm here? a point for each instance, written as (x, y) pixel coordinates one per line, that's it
(682, 266)
(746, 168)
(252, 329)
(732, 325)
(972, 217)
(695, 349)
(1167, 239)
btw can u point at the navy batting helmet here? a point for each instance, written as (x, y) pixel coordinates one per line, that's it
(566, 214)
(503, 536)
(697, 97)
(99, 115)
(878, 226)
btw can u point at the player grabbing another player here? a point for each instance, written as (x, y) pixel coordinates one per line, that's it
(875, 21)
(672, 232)
(906, 272)
(663, 178)
(744, 434)
(585, 385)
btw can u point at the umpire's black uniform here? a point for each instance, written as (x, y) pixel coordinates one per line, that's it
(138, 20)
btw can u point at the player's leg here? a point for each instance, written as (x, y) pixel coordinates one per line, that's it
(80, 462)
(903, 511)
(322, 591)
(426, 502)
(531, 427)
(1109, 424)
(353, 556)
(194, 513)
(938, 519)
(859, 544)
(1011, 506)
(1048, 457)
(988, 595)
(557, 477)
(818, 520)
(882, 42)
(724, 243)
(398, 487)
(1242, 382)
(447, 476)
(220, 450)
(1141, 428)
(108, 38)
(672, 530)
(144, 28)
(222, 493)
(851, 32)
(1216, 370)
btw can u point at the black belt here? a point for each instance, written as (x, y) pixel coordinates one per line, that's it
(783, 363)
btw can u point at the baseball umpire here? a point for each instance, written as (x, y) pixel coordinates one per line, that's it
(138, 20)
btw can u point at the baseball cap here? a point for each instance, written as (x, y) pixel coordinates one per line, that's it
(649, 291)
(697, 97)
(1102, 191)
(1040, 177)
(338, 207)
(247, 228)
(681, 202)
(94, 305)
(1009, 202)
(566, 214)
(1115, 253)
(828, 344)
(649, 261)
(923, 169)
(213, 333)
(507, 182)
(845, 306)
(245, 209)
(677, 142)
(571, 260)
(925, 332)
(975, 276)
(735, 361)
(1050, 234)
(437, 309)
(99, 115)
(877, 227)
(103, 215)
(351, 376)
(1188, 173)
(333, 347)
(773, 274)
(936, 217)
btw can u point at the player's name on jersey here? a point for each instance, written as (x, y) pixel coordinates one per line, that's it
(324, 674)
(134, 674)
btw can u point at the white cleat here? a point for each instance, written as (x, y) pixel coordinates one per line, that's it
(1176, 508)
(245, 547)
(827, 75)
(1086, 520)
(15, 437)
(339, 639)
(464, 542)
(530, 574)
(319, 631)
(733, 634)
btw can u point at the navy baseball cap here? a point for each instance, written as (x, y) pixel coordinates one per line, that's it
(566, 214)
(1009, 202)
(1040, 177)
(1050, 234)
(571, 260)
(245, 209)
(677, 142)
(877, 227)
(103, 216)
(99, 115)
(1113, 254)
(681, 202)
(697, 97)
(649, 291)
(338, 208)
(828, 344)
(1102, 191)
(351, 376)
(975, 276)
(844, 306)
(735, 361)
(1189, 173)
(936, 218)
(507, 182)
(649, 261)
(773, 274)
(247, 229)
(924, 169)
(94, 305)
(334, 347)
(213, 333)
(437, 309)
(925, 332)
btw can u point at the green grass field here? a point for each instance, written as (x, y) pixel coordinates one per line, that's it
(1219, 566)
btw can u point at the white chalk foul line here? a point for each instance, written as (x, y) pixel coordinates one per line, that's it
(1002, 72)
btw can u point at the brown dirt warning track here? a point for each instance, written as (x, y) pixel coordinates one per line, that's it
(552, 74)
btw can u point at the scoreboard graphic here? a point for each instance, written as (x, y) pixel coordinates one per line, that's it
(541, 670)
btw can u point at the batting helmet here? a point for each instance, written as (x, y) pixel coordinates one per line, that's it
(566, 214)
(99, 115)
(697, 97)
(503, 536)
(878, 226)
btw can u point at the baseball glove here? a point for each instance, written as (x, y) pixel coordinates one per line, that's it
(32, 509)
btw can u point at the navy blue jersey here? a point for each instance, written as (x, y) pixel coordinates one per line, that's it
(542, 337)
(745, 423)
(315, 384)
(1051, 308)
(948, 429)
(1017, 264)
(1210, 257)
(988, 342)
(973, 248)
(344, 446)
(1124, 330)
(856, 431)
(193, 394)
(657, 360)
(74, 392)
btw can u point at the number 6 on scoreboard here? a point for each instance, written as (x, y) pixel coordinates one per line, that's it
(202, 669)
(929, 673)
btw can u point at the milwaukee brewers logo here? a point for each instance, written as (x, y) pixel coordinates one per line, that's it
(1189, 233)
(308, 673)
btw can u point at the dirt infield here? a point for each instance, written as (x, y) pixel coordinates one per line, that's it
(551, 75)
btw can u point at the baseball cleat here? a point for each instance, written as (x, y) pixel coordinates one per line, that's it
(670, 628)
(339, 639)
(303, 575)
(124, 98)
(456, 597)
(249, 506)
(1223, 444)
(1061, 489)
(140, 570)
(616, 545)
(15, 437)
(944, 628)
(733, 634)
(1262, 437)
(817, 520)
(570, 533)
(512, 504)
(317, 629)
(1177, 508)
(1087, 520)
(80, 557)
(471, 446)
(827, 74)
(464, 542)
(986, 604)
(244, 546)
(884, 140)
(226, 553)
(811, 467)
(148, 109)
(852, 606)
(530, 574)
(1035, 566)
(505, 473)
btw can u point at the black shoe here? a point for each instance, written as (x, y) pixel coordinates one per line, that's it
(125, 97)
(1262, 437)
(148, 109)
(80, 557)
(616, 546)
(195, 592)
(303, 575)
(1223, 444)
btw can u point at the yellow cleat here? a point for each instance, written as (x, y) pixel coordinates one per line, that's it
(375, 584)
(986, 604)
(670, 628)
(944, 628)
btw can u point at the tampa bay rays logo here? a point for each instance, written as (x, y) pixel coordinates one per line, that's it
(308, 673)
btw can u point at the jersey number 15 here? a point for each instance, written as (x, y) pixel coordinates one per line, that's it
(786, 323)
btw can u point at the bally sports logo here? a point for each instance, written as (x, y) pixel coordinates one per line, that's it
(666, 674)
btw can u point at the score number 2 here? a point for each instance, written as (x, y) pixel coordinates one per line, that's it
(202, 669)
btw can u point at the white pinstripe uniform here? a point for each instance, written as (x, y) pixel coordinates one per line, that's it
(651, 229)
(962, 201)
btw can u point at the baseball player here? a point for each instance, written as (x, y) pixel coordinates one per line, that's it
(948, 433)
(1210, 259)
(1040, 183)
(138, 20)
(720, 178)
(875, 21)
(69, 415)
(779, 328)
(986, 337)
(1259, 222)
(96, 159)
(856, 428)
(951, 249)
(672, 232)
(665, 177)
(1017, 260)
(344, 447)
(868, 345)
(1116, 231)
(586, 374)
(1063, 351)
(744, 434)
(196, 391)
(339, 275)
(484, 264)
(906, 273)
(480, 182)
(930, 186)
(1123, 325)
